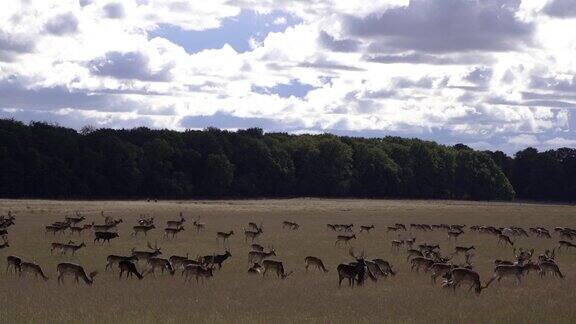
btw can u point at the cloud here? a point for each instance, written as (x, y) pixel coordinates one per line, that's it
(344, 45)
(114, 10)
(445, 26)
(560, 8)
(480, 76)
(294, 88)
(420, 58)
(62, 24)
(12, 44)
(131, 65)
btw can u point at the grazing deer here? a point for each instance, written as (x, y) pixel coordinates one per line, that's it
(74, 270)
(344, 238)
(506, 239)
(224, 236)
(142, 229)
(385, 266)
(366, 228)
(72, 248)
(550, 267)
(251, 234)
(314, 262)
(173, 231)
(198, 272)
(199, 226)
(275, 266)
(145, 255)
(258, 256)
(216, 258)
(104, 237)
(566, 245)
(116, 259)
(130, 269)
(155, 263)
(32, 268)
(178, 223)
(460, 275)
(13, 262)
(257, 247)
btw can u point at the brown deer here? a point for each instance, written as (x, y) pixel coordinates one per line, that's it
(275, 266)
(463, 249)
(32, 268)
(550, 267)
(130, 269)
(344, 238)
(142, 229)
(257, 256)
(177, 260)
(75, 270)
(162, 264)
(224, 236)
(13, 262)
(145, 255)
(216, 258)
(197, 271)
(352, 272)
(72, 248)
(173, 231)
(79, 229)
(314, 262)
(462, 275)
(116, 259)
(104, 237)
(257, 247)
(199, 226)
(178, 223)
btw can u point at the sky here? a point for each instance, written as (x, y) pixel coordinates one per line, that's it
(492, 74)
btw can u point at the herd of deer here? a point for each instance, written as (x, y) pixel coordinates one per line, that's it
(423, 256)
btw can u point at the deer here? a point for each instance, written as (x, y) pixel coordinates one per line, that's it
(197, 271)
(506, 239)
(79, 229)
(72, 248)
(145, 255)
(419, 262)
(199, 226)
(224, 236)
(142, 229)
(13, 262)
(104, 237)
(385, 266)
(366, 228)
(173, 231)
(344, 238)
(177, 260)
(116, 259)
(32, 268)
(75, 270)
(55, 229)
(277, 267)
(251, 234)
(75, 220)
(566, 245)
(353, 272)
(216, 258)
(106, 227)
(257, 247)
(505, 270)
(550, 267)
(255, 269)
(458, 276)
(130, 269)
(257, 256)
(145, 221)
(178, 223)
(58, 246)
(314, 262)
(155, 263)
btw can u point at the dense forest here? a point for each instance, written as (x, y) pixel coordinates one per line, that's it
(40, 160)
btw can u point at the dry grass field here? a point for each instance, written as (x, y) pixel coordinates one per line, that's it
(234, 296)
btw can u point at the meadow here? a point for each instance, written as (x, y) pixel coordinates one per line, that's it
(234, 296)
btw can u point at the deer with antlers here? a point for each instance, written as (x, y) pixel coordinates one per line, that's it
(75, 270)
(354, 272)
(216, 258)
(145, 255)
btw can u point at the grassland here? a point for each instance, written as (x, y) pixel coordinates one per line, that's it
(233, 296)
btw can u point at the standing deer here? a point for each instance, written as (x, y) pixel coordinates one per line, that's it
(199, 226)
(104, 237)
(224, 236)
(75, 270)
(178, 223)
(142, 229)
(353, 272)
(251, 234)
(32, 268)
(130, 269)
(173, 231)
(257, 256)
(257, 247)
(197, 271)
(216, 259)
(116, 259)
(72, 248)
(314, 262)
(163, 264)
(145, 255)
(461, 275)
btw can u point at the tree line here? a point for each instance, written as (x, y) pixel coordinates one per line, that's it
(41, 160)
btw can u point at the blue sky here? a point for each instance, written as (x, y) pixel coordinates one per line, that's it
(492, 74)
